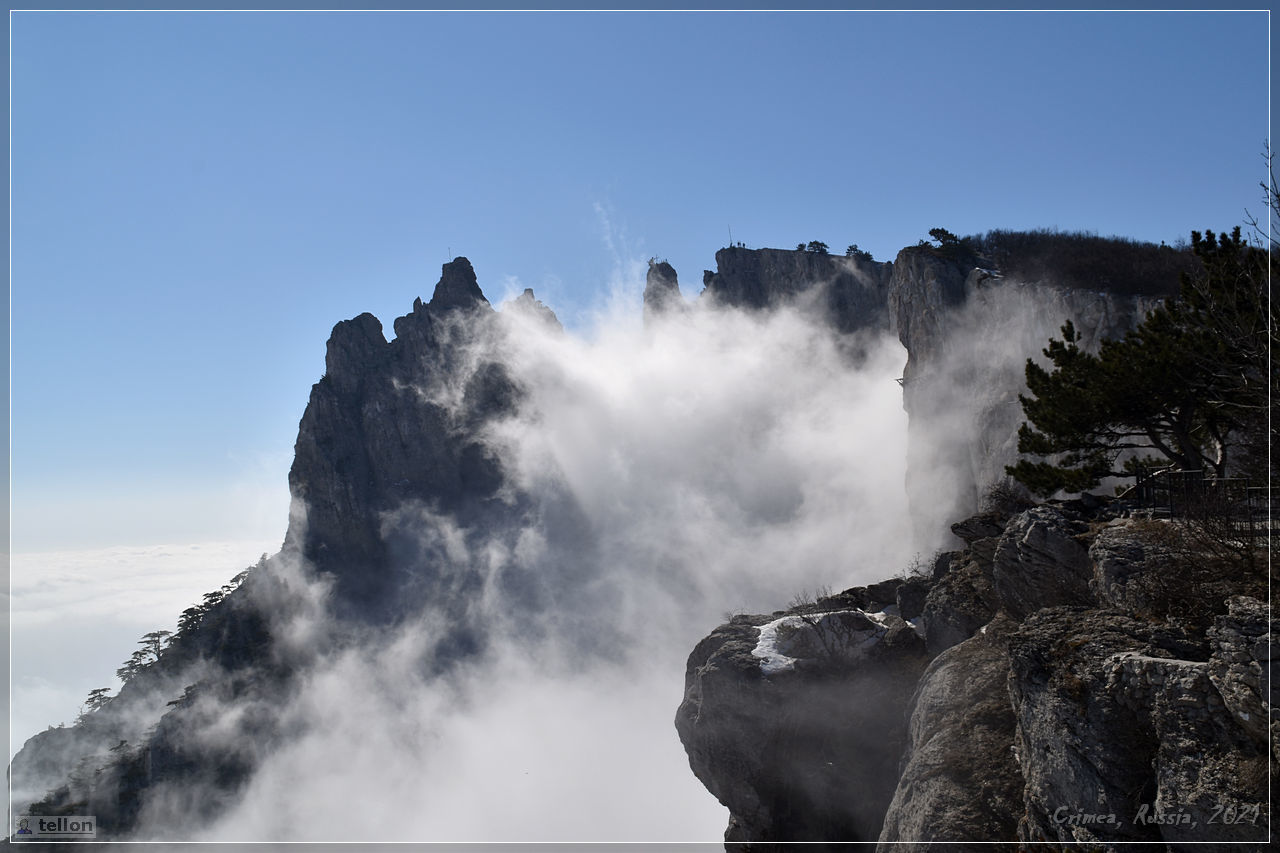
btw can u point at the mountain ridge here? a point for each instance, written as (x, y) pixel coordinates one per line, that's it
(392, 444)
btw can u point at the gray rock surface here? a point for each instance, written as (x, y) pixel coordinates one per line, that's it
(960, 603)
(1050, 712)
(1121, 558)
(1122, 737)
(1040, 561)
(960, 781)
(1242, 666)
(1085, 751)
(802, 744)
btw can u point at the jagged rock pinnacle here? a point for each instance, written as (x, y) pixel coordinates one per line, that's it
(528, 304)
(661, 289)
(457, 287)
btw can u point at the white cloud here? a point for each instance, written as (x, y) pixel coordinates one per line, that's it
(718, 461)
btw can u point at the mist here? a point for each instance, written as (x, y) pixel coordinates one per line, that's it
(964, 391)
(712, 461)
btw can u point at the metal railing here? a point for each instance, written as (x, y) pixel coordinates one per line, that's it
(1172, 493)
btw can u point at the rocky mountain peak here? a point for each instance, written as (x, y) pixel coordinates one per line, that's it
(661, 289)
(457, 287)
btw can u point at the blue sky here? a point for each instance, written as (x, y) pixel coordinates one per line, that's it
(198, 198)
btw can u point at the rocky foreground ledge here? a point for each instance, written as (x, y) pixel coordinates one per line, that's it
(1057, 680)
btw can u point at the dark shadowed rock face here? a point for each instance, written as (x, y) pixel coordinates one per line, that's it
(794, 721)
(457, 288)
(849, 294)
(661, 290)
(395, 425)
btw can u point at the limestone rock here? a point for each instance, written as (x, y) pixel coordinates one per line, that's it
(960, 780)
(1122, 737)
(981, 533)
(1040, 562)
(1242, 664)
(957, 605)
(1121, 558)
(796, 724)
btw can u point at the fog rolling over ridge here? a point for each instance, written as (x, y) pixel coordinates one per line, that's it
(715, 459)
(549, 522)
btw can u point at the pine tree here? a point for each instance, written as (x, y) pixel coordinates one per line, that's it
(1189, 384)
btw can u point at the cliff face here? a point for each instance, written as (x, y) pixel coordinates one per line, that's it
(967, 331)
(1044, 713)
(388, 465)
(793, 720)
(389, 426)
(849, 294)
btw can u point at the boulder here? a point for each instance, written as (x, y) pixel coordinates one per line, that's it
(1040, 561)
(957, 605)
(797, 723)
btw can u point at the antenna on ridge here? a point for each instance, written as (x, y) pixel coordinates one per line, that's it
(730, 227)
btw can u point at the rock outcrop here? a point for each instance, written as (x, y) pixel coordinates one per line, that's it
(793, 719)
(848, 293)
(389, 464)
(661, 290)
(968, 332)
(959, 796)
(391, 425)
(1045, 713)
